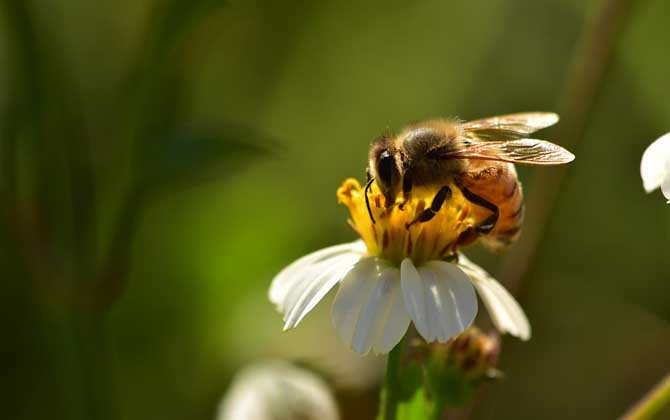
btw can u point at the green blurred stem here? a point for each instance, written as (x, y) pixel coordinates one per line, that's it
(28, 101)
(391, 392)
(115, 268)
(593, 57)
(93, 349)
(438, 407)
(649, 407)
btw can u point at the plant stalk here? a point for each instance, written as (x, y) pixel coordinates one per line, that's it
(651, 405)
(391, 391)
(94, 352)
(590, 65)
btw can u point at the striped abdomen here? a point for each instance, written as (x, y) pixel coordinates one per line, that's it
(497, 183)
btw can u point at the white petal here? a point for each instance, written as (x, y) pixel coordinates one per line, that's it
(462, 298)
(439, 299)
(413, 295)
(504, 310)
(284, 282)
(368, 312)
(307, 294)
(353, 291)
(397, 321)
(653, 167)
(665, 185)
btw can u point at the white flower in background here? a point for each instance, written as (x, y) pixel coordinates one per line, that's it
(655, 166)
(394, 275)
(277, 390)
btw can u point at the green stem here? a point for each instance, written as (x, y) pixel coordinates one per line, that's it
(650, 407)
(390, 394)
(94, 353)
(439, 406)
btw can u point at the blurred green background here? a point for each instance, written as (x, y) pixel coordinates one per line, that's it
(162, 160)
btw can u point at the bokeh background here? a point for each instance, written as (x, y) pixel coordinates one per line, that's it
(162, 160)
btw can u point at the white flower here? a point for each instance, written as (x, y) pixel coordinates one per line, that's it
(655, 166)
(376, 300)
(399, 272)
(277, 390)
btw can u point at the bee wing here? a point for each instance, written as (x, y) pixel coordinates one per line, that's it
(512, 126)
(523, 151)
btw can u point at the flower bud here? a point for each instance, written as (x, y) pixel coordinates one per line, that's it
(474, 353)
(454, 370)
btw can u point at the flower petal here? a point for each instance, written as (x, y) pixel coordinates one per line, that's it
(462, 297)
(397, 321)
(665, 185)
(293, 274)
(413, 295)
(368, 312)
(318, 281)
(504, 310)
(654, 164)
(439, 298)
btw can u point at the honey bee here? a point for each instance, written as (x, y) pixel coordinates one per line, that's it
(477, 157)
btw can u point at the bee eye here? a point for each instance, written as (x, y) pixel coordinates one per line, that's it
(386, 167)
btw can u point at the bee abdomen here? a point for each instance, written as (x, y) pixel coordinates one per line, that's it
(508, 227)
(499, 185)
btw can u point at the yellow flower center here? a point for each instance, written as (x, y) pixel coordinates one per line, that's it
(397, 233)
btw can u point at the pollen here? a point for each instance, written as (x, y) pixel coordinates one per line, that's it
(397, 233)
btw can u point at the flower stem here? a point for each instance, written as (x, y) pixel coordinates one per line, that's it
(439, 407)
(391, 391)
(652, 404)
(95, 358)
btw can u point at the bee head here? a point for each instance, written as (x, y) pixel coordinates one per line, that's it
(383, 167)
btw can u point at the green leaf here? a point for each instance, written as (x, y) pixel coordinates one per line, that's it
(427, 388)
(195, 156)
(411, 380)
(418, 407)
(404, 387)
(179, 17)
(448, 384)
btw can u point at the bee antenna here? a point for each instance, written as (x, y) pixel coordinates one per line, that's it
(367, 200)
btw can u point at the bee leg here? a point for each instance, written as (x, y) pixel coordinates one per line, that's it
(467, 237)
(367, 199)
(442, 195)
(406, 189)
(490, 222)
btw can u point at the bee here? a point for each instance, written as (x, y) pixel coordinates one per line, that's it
(477, 157)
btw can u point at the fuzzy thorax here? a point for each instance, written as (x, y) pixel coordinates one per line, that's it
(394, 237)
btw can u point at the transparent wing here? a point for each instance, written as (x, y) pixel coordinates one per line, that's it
(523, 151)
(511, 126)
